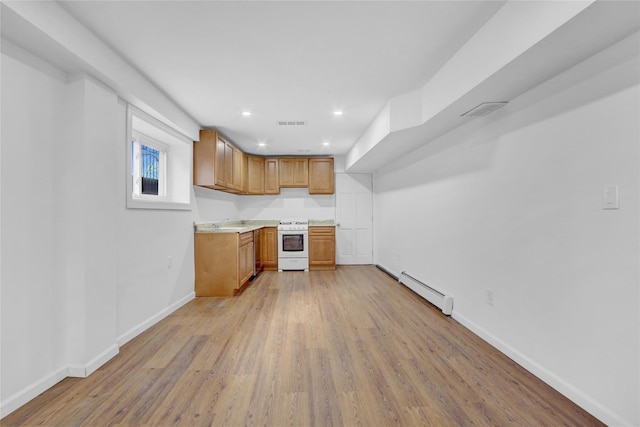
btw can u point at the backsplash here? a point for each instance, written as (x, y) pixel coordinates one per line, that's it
(291, 203)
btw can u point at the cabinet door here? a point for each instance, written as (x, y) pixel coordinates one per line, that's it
(257, 250)
(269, 247)
(285, 167)
(271, 176)
(322, 248)
(220, 162)
(228, 165)
(204, 158)
(245, 267)
(244, 189)
(294, 173)
(236, 174)
(255, 175)
(321, 176)
(301, 172)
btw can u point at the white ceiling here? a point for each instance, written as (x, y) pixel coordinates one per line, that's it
(285, 60)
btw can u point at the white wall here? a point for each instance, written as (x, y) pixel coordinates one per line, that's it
(32, 324)
(81, 274)
(513, 203)
(86, 223)
(290, 203)
(215, 206)
(155, 254)
(150, 285)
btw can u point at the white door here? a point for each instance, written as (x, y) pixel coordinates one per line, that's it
(354, 218)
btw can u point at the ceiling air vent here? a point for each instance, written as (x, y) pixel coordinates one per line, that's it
(484, 109)
(291, 123)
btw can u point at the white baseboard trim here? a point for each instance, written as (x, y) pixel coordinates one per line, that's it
(9, 405)
(137, 330)
(571, 392)
(390, 272)
(576, 395)
(26, 394)
(83, 371)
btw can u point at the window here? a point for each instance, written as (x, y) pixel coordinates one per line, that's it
(158, 164)
(148, 167)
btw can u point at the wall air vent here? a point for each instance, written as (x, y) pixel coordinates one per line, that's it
(291, 123)
(484, 109)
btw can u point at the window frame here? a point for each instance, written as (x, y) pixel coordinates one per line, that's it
(167, 201)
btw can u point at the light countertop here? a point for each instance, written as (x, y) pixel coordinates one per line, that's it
(243, 226)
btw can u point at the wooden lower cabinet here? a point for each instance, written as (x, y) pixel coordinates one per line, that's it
(245, 268)
(223, 263)
(322, 248)
(269, 248)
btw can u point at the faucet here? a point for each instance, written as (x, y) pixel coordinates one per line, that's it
(217, 224)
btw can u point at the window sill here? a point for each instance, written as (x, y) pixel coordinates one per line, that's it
(155, 204)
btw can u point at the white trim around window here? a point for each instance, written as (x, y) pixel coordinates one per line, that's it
(175, 163)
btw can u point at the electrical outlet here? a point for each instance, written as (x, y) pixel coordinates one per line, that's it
(490, 296)
(610, 197)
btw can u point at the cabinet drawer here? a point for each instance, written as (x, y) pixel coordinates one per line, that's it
(246, 238)
(322, 231)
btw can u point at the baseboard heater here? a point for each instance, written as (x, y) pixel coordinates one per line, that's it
(442, 301)
(381, 268)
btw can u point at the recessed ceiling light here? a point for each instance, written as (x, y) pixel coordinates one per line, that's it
(325, 143)
(262, 144)
(337, 113)
(246, 113)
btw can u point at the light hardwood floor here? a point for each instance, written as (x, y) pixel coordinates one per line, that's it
(348, 347)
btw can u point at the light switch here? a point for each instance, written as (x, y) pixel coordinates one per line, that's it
(610, 197)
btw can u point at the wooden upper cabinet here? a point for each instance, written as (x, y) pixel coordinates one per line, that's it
(236, 169)
(217, 163)
(271, 176)
(220, 165)
(321, 176)
(245, 174)
(294, 172)
(221, 148)
(255, 175)
(227, 168)
(205, 160)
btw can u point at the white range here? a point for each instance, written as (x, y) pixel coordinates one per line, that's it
(293, 244)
